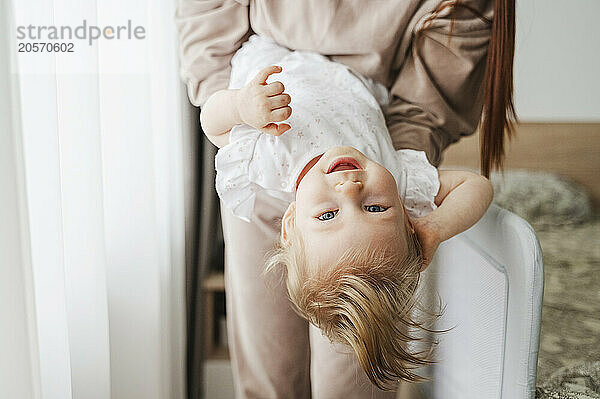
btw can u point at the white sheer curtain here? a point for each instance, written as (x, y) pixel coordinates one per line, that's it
(101, 259)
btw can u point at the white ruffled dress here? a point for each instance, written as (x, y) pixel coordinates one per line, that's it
(331, 106)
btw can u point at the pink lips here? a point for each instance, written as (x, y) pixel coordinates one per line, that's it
(344, 163)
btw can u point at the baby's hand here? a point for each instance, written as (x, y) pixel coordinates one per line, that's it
(427, 232)
(260, 104)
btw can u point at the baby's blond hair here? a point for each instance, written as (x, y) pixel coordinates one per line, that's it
(366, 300)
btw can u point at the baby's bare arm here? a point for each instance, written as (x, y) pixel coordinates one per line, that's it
(219, 115)
(258, 104)
(462, 200)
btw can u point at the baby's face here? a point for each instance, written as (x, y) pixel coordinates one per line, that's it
(347, 200)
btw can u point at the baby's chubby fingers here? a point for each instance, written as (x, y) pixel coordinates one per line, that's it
(260, 104)
(283, 127)
(263, 75)
(275, 130)
(279, 101)
(273, 89)
(280, 114)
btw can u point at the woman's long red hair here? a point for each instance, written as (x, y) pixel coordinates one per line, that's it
(498, 107)
(498, 116)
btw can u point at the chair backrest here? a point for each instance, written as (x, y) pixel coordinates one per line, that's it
(490, 279)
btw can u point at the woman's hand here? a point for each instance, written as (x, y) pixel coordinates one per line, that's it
(428, 236)
(260, 105)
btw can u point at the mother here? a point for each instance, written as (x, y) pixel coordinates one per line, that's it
(445, 63)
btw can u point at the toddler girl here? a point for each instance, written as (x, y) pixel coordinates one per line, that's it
(363, 219)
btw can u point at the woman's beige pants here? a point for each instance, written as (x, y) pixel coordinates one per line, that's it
(274, 352)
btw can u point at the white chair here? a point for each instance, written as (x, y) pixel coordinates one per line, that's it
(491, 280)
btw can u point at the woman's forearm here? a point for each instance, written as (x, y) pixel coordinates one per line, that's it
(464, 198)
(220, 113)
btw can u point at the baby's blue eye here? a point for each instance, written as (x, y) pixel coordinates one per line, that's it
(327, 215)
(375, 208)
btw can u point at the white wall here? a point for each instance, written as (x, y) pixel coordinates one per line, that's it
(557, 61)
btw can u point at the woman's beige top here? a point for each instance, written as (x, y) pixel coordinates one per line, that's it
(433, 68)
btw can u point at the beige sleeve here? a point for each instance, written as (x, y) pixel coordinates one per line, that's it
(437, 95)
(210, 32)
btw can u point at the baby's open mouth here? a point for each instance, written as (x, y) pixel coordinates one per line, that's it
(344, 163)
